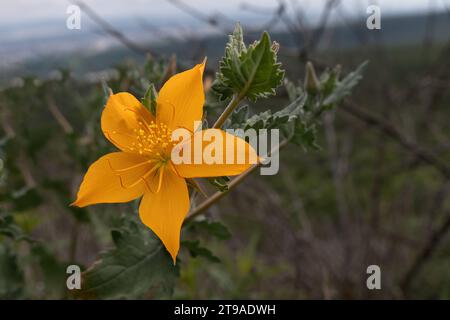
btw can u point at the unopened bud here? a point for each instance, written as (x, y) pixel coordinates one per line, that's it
(312, 85)
(149, 100)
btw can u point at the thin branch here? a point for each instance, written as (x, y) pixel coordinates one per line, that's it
(227, 112)
(108, 28)
(197, 14)
(59, 117)
(391, 131)
(425, 253)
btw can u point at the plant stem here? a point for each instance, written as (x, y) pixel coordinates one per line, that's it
(218, 195)
(228, 110)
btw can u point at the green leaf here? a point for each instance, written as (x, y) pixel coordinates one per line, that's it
(305, 136)
(269, 120)
(292, 90)
(251, 72)
(344, 87)
(23, 198)
(107, 92)
(137, 265)
(155, 70)
(240, 115)
(198, 251)
(9, 228)
(11, 276)
(53, 271)
(215, 229)
(149, 100)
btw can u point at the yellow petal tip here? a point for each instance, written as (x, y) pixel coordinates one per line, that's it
(202, 65)
(73, 204)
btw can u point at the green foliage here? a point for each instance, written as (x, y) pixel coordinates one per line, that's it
(216, 229)
(137, 265)
(251, 72)
(22, 199)
(149, 100)
(267, 119)
(205, 228)
(9, 228)
(335, 89)
(298, 121)
(154, 71)
(11, 275)
(195, 249)
(53, 271)
(107, 92)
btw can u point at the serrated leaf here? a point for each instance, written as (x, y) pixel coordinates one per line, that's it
(240, 115)
(251, 72)
(292, 90)
(344, 87)
(215, 229)
(269, 120)
(196, 250)
(329, 80)
(305, 136)
(137, 264)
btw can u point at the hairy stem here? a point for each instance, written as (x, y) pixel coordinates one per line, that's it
(228, 110)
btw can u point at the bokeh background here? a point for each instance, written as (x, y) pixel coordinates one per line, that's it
(377, 191)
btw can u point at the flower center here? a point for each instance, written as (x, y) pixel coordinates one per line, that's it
(153, 140)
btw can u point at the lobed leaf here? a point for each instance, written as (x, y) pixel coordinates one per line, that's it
(138, 264)
(196, 250)
(344, 87)
(251, 72)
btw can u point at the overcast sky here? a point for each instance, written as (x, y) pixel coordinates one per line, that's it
(33, 27)
(23, 11)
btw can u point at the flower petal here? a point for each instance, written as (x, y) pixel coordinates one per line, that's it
(223, 155)
(184, 96)
(115, 177)
(164, 211)
(123, 114)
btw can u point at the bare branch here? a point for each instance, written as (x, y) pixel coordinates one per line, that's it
(108, 28)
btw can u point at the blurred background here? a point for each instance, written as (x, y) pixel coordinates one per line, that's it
(377, 191)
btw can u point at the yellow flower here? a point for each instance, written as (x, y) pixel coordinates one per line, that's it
(144, 167)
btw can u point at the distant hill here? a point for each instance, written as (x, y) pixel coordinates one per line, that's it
(396, 30)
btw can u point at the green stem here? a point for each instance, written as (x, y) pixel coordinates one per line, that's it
(228, 110)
